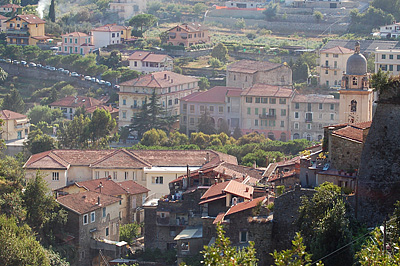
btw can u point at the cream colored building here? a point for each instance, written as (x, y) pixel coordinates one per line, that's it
(151, 169)
(147, 62)
(170, 86)
(332, 64)
(16, 126)
(388, 60)
(245, 73)
(356, 97)
(266, 109)
(126, 9)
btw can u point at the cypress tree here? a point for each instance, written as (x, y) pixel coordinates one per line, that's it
(52, 12)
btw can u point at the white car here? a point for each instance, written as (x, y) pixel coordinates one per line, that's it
(74, 74)
(88, 78)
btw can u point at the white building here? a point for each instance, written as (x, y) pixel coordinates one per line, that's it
(389, 31)
(146, 62)
(126, 9)
(388, 60)
(110, 34)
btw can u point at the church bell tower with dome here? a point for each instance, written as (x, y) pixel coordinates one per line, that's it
(356, 97)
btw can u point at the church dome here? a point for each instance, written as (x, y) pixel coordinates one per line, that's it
(356, 65)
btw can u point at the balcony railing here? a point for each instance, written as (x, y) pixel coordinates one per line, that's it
(17, 31)
(308, 120)
(267, 116)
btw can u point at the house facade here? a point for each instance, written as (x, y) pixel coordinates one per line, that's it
(146, 62)
(16, 126)
(265, 109)
(390, 31)
(68, 105)
(126, 9)
(3, 24)
(222, 104)
(110, 34)
(332, 63)
(9, 8)
(92, 217)
(170, 86)
(388, 60)
(245, 73)
(310, 114)
(76, 43)
(188, 34)
(25, 30)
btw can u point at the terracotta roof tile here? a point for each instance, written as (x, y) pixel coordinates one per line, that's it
(138, 55)
(3, 17)
(108, 108)
(244, 206)
(120, 159)
(85, 202)
(162, 79)
(108, 186)
(234, 92)
(78, 101)
(350, 133)
(10, 115)
(265, 90)
(190, 27)
(337, 50)
(132, 187)
(214, 95)
(231, 187)
(155, 58)
(31, 19)
(75, 34)
(111, 28)
(315, 98)
(46, 160)
(251, 66)
(10, 6)
(279, 176)
(219, 218)
(362, 125)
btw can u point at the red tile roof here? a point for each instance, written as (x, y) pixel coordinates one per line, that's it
(221, 189)
(337, 50)
(10, 115)
(350, 133)
(85, 202)
(111, 28)
(289, 162)
(31, 19)
(155, 58)
(190, 27)
(362, 125)
(265, 90)
(108, 186)
(10, 6)
(46, 160)
(233, 92)
(284, 175)
(122, 159)
(108, 108)
(75, 34)
(3, 17)
(219, 218)
(214, 95)
(244, 206)
(315, 98)
(132, 187)
(250, 66)
(139, 55)
(162, 79)
(78, 101)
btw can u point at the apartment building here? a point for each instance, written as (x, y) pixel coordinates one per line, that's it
(265, 109)
(388, 60)
(126, 9)
(25, 30)
(170, 86)
(76, 43)
(110, 34)
(146, 62)
(332, 63)
(310, 114)
(188, 34)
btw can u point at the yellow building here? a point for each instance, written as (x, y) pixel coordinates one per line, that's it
(25, 30)
(356, 97)
(16, 126)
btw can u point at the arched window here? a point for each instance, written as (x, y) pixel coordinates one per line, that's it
(271, 136)
(353, 106)
(355, 81)
(296, 136)
(283, 136)
(308, 137)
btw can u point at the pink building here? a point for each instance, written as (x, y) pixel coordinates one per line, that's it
(188, 35)
(76, 43)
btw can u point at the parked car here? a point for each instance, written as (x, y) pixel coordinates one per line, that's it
(52, 69)
(74, 74)
(15, 62)
(23, 63)
(108, 84)
(66, 72)
(101, 82)
(116, 87)
(47, 67)
(88, 78)
(39, 65)
(8, 61)
(31, 64)
(61, 70)
(93, 79)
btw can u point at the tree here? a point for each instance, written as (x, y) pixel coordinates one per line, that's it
(43, 113)
(204, 84)
(199, 8)
(300, 71)
(318, 16)
(3, 75)
(222, 253)
(111, 75)
(38, 142)
(380, 80)
(206, 124)
(154, 137)
(124, 133)
(128, 232)
(271, 11)
(324, 223)
(220, 52)
(143, 21)
(296, 256)
(214, 62)
(52, 11)
(100, 127)
(11, 204)
(75, 134)
(19, 246)
(177, 139)
(127, 74)
(224, 127)
(240, 23)
(237, 133)
(13, 102)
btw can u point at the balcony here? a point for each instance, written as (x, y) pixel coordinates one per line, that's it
(135, 107)
(24, 31)
(308, 120)
(330, 67)
(267, 116)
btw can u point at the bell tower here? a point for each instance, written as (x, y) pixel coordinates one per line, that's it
(356, 97)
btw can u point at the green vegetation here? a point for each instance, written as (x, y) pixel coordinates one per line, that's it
(128, 232)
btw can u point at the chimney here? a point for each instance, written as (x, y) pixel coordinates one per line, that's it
(188, 175)
(165, 76)
(98, 200)
(207, 157)
(168, 76)
(76, 99)
(247, 189)
(172, 81)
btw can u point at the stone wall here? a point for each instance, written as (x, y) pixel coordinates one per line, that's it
(379, 174)
(345, 154)
(261, 231)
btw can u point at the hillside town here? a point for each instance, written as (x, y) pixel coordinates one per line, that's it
(138, 132)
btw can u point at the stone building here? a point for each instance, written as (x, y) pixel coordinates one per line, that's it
(246, 73)
(356, 97)
(332, 63)
(266, 109)
(169, 86)
(285, 173)
(310, 114)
